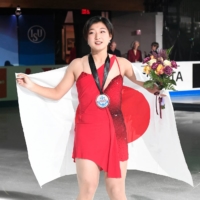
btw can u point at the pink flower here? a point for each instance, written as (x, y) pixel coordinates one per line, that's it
(162, 53)
(168, 70)
(146, 59)
(174, 64)
(154, 66)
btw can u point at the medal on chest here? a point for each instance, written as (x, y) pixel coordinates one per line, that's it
(102, 100)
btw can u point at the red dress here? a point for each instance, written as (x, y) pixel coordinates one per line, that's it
(100, 134)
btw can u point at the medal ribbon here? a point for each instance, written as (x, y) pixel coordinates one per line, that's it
(95, 74)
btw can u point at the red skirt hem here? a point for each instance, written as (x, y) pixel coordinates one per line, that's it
(101, 167)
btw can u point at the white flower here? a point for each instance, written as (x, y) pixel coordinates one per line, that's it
(167, 63)
(160, 59)
(150, 63)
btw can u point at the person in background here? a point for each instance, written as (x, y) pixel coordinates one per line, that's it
(154, 48)
(7, 63)
(134, 55)
(112, 49)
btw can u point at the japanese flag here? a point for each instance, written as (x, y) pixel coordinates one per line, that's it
(48, 127)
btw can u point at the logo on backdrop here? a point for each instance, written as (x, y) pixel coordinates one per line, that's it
(36, 34)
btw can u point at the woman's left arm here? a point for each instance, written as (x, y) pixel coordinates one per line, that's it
(129, 73)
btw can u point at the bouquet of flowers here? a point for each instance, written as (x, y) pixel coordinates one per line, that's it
(160, 70)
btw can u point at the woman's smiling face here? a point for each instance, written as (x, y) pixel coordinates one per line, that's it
(98, 36)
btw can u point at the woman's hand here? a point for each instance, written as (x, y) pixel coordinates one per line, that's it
(24, 80)
(155, 90)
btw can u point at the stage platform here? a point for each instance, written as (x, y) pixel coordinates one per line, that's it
(186, 100)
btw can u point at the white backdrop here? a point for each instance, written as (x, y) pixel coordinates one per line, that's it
(183, 74)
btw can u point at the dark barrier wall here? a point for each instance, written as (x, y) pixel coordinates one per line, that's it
(3, 83)
(125, 5)
(79, 22)
(8, 40)
(196, 75)
(36, 39)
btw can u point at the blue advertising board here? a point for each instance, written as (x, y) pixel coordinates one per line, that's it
(36, 40)
(8, 40)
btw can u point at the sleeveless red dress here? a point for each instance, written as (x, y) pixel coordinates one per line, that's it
(100, 134)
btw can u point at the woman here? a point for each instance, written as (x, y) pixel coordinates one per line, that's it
(154, 49)
(135, 55)
(100, 133)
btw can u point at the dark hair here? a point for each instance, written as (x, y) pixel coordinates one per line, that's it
(97, 19)
(155, 44)
(7, 63)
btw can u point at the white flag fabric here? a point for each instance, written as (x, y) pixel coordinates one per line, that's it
(48, 127)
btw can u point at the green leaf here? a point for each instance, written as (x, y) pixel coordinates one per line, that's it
(169, 51)
(149, 84)
(171, 88)
(172, 81)
(155, 77)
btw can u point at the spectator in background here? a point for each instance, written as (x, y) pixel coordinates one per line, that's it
(112, 49)
(134, 55)
(154, 48)
(7, 63)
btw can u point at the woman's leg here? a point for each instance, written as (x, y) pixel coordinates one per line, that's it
(116, 186)
(88, 178)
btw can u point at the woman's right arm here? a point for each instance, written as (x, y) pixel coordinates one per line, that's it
(52, 93)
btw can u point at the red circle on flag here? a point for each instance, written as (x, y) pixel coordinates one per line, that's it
(136, 112)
